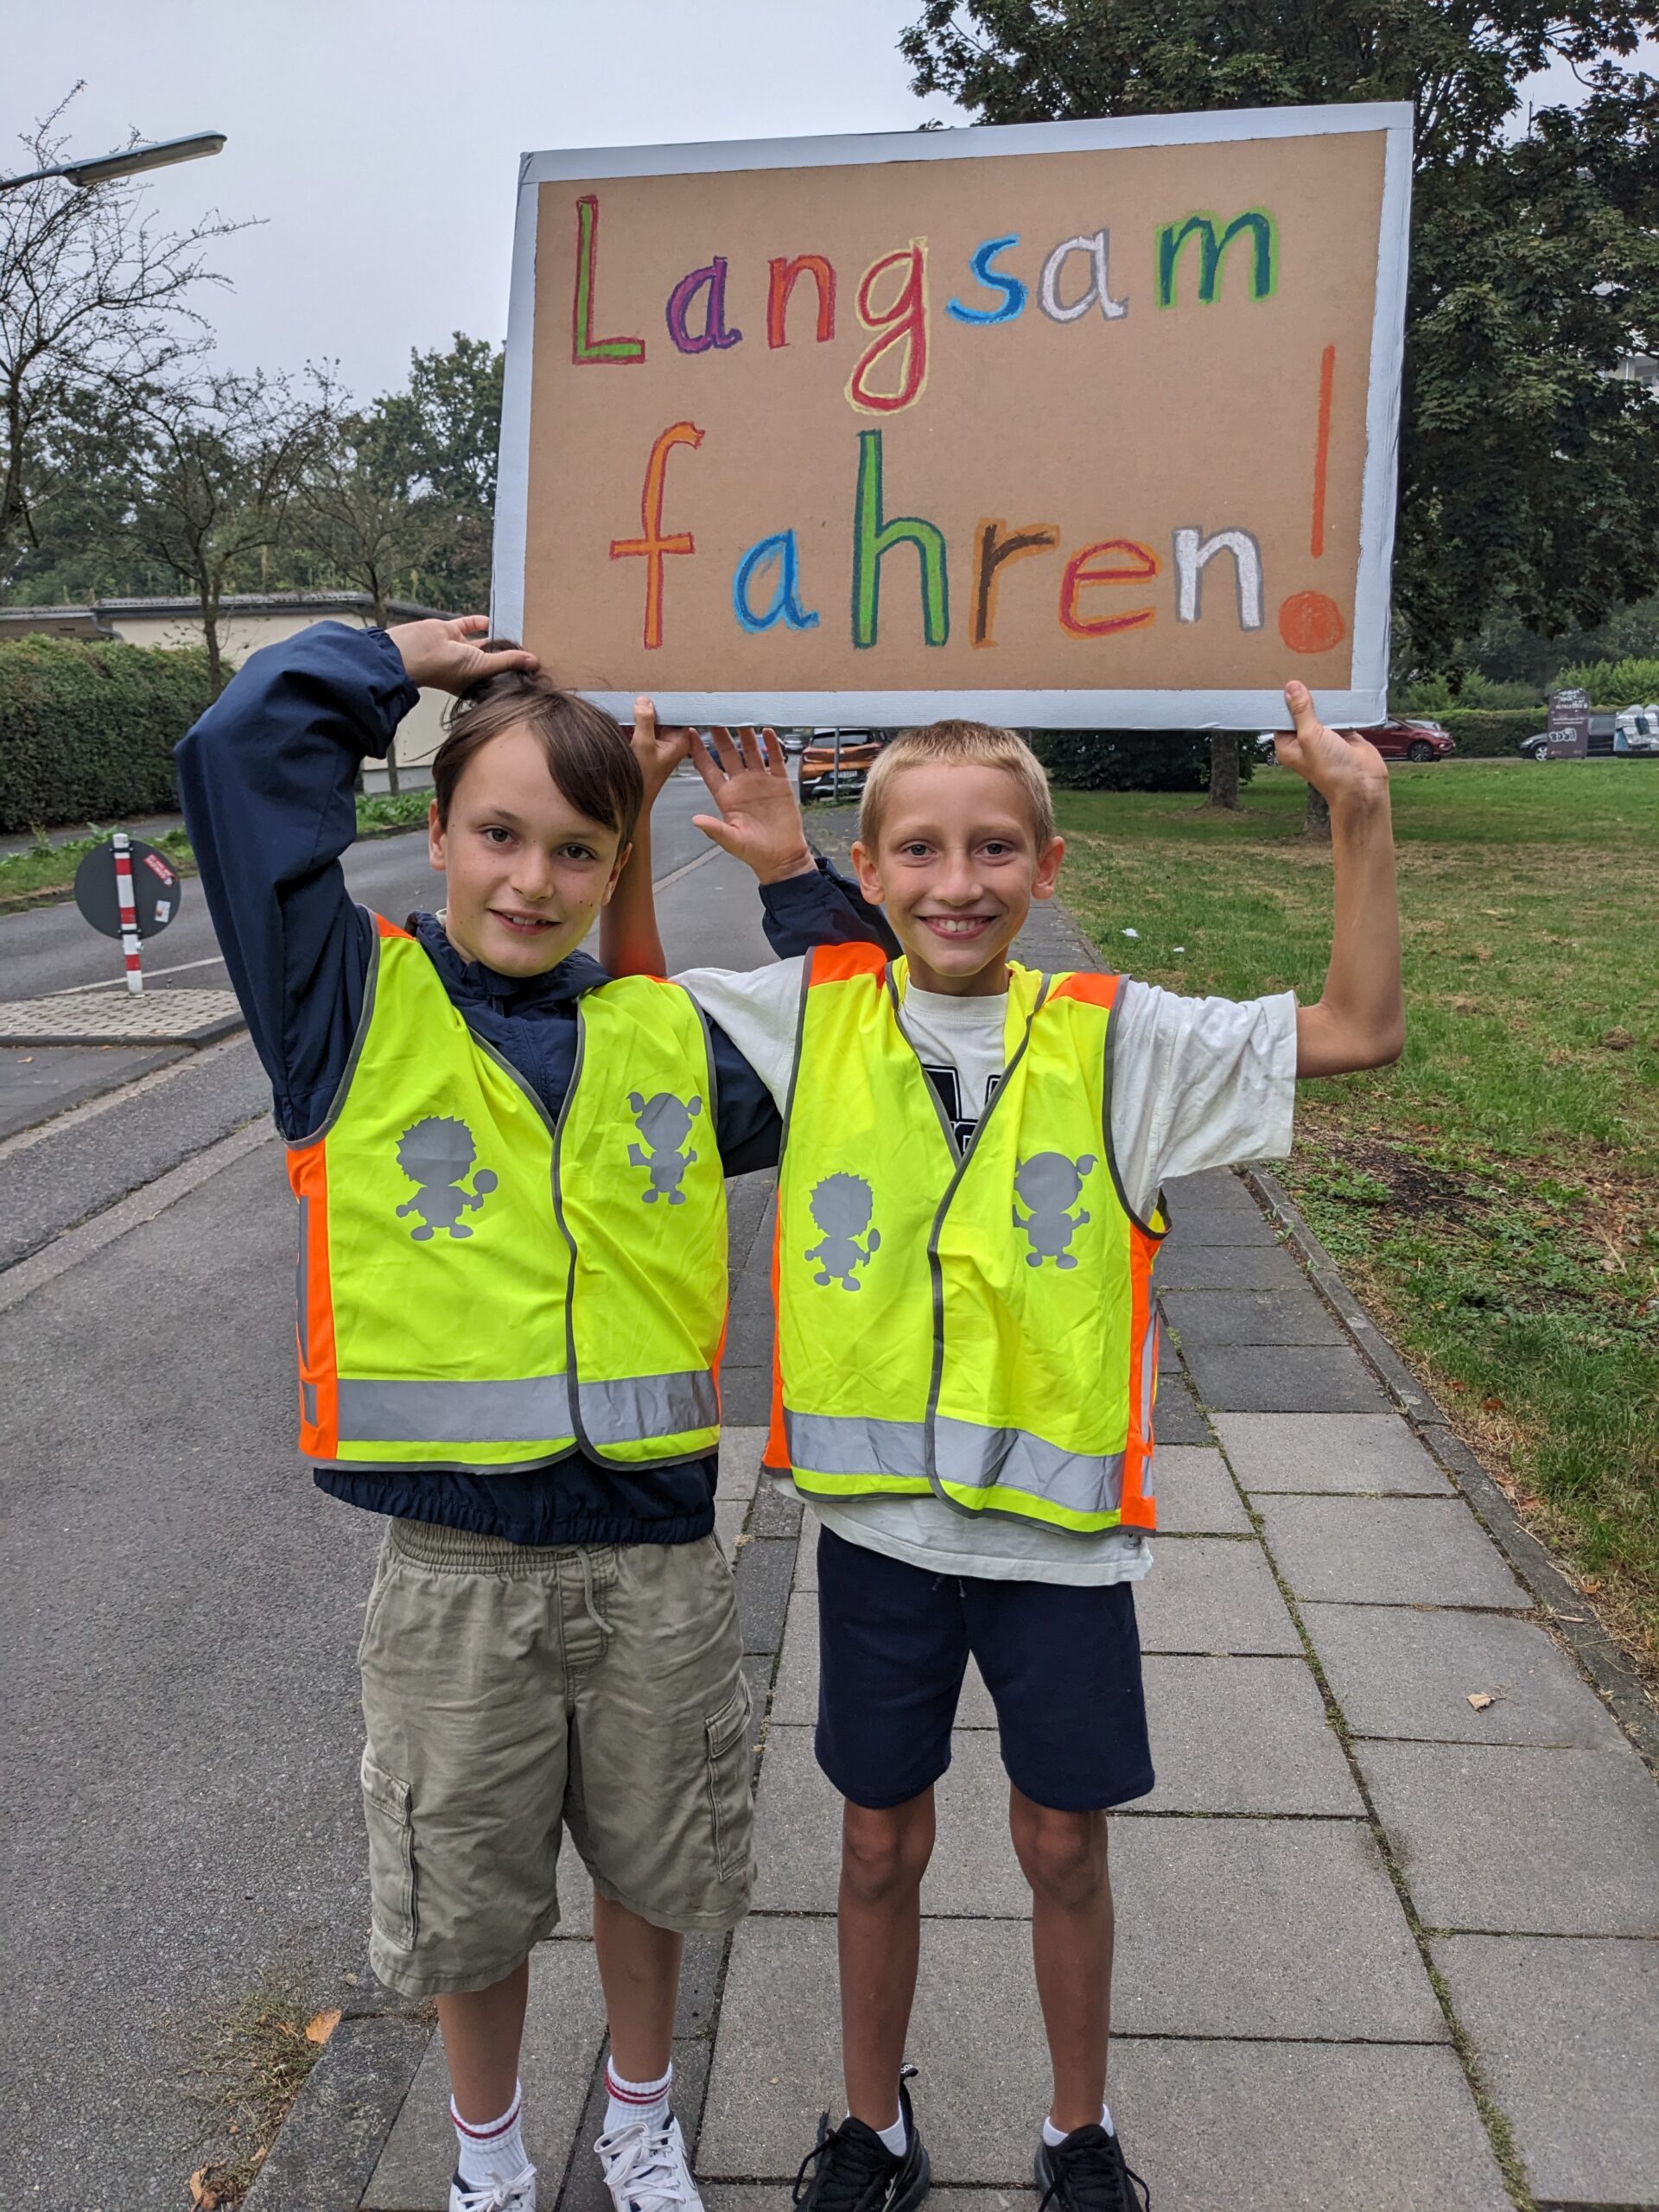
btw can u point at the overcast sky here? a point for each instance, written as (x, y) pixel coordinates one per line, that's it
(379, 139)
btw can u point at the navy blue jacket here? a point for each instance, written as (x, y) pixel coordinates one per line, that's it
(267, 779)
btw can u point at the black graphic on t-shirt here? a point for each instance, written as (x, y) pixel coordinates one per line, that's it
(947, 1084)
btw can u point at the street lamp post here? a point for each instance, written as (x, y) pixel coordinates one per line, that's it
(105, 167)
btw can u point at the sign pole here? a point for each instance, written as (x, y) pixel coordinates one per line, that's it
(128, 910)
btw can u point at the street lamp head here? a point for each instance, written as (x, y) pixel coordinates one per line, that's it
(136, 158)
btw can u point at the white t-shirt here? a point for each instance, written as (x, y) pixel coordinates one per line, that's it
(1196, 1083)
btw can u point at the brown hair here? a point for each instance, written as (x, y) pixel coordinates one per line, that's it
(946, 743)
(587, 755)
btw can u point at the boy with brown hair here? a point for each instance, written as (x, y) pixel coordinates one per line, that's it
(968, 1211)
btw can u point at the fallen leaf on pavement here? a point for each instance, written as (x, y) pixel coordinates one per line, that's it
(1589, 1584)
(1481, 1698)
(322, 2025)
(200, 2193)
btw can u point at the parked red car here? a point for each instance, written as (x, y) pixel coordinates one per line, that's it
(1396, 741)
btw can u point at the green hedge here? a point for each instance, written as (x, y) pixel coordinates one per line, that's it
(1486, 733)
(1133, 759)
(87, 731)
(1616, 684)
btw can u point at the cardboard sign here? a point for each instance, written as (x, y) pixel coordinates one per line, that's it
(1064, 425)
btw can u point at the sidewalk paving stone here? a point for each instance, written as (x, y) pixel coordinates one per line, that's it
(1302, 2128)
(1254, 1317)
(740, 1460)
(1196, 1495)
(1397, 1671)
(564, 2027)
(1263, 1928)
(1204, 1225)
(1178, 1419)
(1520, 1840)
(763, 1570)
(1216, 1188)
(745, 1393)
(1388, 1551)
(1242, 1736)
(1293, 1379)
(1227, 1266)
(1567, 2034)
(1328, 1452)
(977, 2034)
(1212, 1593)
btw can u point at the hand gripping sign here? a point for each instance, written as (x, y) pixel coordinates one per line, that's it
(1082, 424)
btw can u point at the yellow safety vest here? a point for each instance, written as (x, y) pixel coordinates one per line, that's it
(978, 1326)
(482, 1288)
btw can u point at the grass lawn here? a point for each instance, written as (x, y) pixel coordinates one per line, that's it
(1495, 1196)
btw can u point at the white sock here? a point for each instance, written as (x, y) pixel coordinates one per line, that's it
(633, 2101)
(895, 2138)
(495, 2151)
(1053, 2136)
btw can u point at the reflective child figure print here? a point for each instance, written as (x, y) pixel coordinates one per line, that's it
(842, 1205)
(1049, 1184)
(664, 1121)
(436, 1155)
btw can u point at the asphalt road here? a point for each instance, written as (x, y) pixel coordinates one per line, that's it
(181, 1608)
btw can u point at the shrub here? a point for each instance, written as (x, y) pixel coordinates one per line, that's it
(1435, 695)
(1489, 736)
(87, 730)
(1133, 759)
(1616, 684)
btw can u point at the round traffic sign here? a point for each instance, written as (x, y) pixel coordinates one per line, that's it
(157, 888)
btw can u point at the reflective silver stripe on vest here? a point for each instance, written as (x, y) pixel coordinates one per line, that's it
(966, 1455)
(534, 1410)
(1149, 1371)
(832, 1444)
(973, 1458)
(647, 1406)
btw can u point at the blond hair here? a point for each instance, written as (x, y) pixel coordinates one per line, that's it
(945, 744)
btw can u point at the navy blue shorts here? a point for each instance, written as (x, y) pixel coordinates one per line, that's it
(1062, 1664)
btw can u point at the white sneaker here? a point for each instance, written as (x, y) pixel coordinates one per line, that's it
(517, 2194)
(645, 2169)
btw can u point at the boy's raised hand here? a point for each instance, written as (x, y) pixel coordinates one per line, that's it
(453, 656)
(1338, 763)
(759, 818)
(659, 752)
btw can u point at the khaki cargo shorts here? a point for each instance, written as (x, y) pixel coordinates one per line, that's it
(511, 1693)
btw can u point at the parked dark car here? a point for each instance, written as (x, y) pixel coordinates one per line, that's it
(821, 776)
(1397, 741)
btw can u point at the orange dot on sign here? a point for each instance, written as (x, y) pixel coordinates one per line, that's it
(1310, 623)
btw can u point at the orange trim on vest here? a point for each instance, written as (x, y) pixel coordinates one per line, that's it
(843, 963)
(1139, 1511)
(1093, 990)
(777, 1451)
(387, 929)
(308, 1173)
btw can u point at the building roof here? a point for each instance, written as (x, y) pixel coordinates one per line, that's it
(93, 619)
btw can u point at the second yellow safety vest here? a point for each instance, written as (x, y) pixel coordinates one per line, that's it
(974, 1324)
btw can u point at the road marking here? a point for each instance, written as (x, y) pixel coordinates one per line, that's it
(140, 1207)
(662, 882)
(115, 982)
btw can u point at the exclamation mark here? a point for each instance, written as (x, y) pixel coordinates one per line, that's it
(1311, 621)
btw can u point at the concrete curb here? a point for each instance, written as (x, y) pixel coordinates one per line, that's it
(1571, 1614)
(326, 2151)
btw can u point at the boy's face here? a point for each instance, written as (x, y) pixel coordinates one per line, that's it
(957, 865)
(526, 873)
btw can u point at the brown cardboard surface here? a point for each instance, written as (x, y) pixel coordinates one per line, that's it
(1193, 414)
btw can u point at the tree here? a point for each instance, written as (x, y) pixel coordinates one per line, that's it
(439, 438)
(95, 298)
(1224, 770)
(215, 478)
(1529, 474)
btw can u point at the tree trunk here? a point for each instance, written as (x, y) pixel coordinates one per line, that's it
(210, 633)
(1223, 769)
(1318, 824)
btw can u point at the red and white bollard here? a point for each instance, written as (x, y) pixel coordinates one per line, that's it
(128, 910)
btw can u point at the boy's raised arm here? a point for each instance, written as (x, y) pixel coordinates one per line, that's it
(1359, 1020)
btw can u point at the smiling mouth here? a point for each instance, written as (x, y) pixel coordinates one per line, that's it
(524, 925)
(957, 925)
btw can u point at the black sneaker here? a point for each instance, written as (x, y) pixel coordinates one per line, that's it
(854, 2171)
(1086, 2173)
